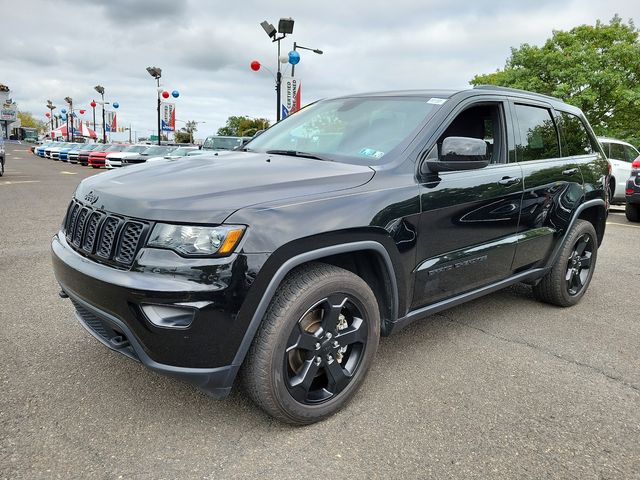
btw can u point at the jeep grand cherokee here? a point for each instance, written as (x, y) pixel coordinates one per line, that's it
(343, 223)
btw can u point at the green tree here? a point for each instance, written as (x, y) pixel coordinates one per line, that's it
(29, 121)
(596, 68)
(241, 126)
(185, 134)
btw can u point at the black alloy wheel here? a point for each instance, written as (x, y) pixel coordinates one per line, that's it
(579, 265)
(568, 280)
(325, 349)
(314, 346)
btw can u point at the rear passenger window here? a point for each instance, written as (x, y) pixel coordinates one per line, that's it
(538, 134)
(631, 152)
(617, 152)
(576, 139)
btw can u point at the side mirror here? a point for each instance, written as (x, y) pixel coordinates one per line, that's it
(458, 153)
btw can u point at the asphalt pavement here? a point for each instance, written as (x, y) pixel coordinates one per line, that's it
(501, 387)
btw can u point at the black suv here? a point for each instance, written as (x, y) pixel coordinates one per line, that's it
(342, 223)
(632, 193)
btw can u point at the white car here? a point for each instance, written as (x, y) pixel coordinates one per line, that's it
(621, 155)
(114, 160)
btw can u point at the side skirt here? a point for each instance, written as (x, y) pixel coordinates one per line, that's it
(420, 313)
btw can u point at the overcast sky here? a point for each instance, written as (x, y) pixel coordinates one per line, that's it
(50, 50)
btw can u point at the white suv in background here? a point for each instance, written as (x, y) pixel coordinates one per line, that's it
(620, 155)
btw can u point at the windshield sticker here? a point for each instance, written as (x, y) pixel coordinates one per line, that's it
(371, 152)
(437, 101)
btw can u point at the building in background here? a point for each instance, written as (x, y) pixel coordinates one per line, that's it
(8, 112)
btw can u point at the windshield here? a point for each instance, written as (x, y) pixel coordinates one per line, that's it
(179, 152)
(158, 150)
(136, 148)
(221, 143)
(115, 148)
(354, 130)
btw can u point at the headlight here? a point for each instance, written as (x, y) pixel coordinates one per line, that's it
(196, 241)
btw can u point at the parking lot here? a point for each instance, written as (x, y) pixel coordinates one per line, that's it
(502, 387)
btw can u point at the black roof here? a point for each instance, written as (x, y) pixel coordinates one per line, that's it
(472, 91)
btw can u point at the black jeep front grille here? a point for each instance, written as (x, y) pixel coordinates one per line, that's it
(107, 238)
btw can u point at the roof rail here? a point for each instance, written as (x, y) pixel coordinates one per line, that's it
(516, 90)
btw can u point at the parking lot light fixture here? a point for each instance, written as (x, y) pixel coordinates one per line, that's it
(300, 47)
(100, 90)
(51, 107)
(285, 27)
(69, 101)
(156, 73)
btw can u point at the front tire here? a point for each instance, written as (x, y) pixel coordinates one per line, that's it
(568, 280)
(315, 344)
(1, 167)
(632, 211)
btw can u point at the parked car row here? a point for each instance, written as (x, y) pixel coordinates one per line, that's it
(115, 155)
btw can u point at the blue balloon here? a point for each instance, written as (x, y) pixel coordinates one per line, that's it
(116, 104)
(64, 110)
(175, 94)
(294, 57)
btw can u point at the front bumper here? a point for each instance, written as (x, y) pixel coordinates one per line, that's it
(109, 303)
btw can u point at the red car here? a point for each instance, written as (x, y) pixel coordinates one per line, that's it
(97, 157)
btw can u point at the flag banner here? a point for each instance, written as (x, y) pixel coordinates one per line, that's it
(110, 121)
(168, 116)
(291, 101)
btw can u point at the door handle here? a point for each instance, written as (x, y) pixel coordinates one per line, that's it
(508, 180)
(571, 171)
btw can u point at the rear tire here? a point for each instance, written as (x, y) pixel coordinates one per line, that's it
(632, 211)
(568, 280)
(315, 344)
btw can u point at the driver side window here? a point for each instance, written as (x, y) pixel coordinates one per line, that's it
(481, 122)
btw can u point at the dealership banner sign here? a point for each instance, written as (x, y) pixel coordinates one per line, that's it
(290, 94)
(168, 116)
(111, 121)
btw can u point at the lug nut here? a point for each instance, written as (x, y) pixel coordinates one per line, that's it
(318, 346)
(329, 358)
(328, 335)
(318, 360)
(335, 344)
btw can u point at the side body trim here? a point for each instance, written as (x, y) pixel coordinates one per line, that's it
(465, 297)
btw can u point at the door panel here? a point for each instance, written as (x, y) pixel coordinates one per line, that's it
(552, 191)
(467, 231)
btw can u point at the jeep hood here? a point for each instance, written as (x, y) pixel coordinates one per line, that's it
(208, 188)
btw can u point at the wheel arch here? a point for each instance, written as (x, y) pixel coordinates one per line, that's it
(352, 255)
(593, 211)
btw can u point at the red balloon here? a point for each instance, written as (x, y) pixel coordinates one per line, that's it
(255, 65)
(47, 114)
(93, 104)
(81, 112)
(165, 94)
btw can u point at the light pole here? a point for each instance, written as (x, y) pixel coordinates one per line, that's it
(156, 73)
(69, 101)
(100, 90)
(285, 27)
(93, 105)
(295, 47)
(51, 107)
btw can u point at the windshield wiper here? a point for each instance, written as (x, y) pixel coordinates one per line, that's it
(295, 153)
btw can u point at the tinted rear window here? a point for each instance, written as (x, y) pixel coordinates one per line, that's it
(576, 139)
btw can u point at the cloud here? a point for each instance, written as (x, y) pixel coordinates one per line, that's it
(50, 50)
